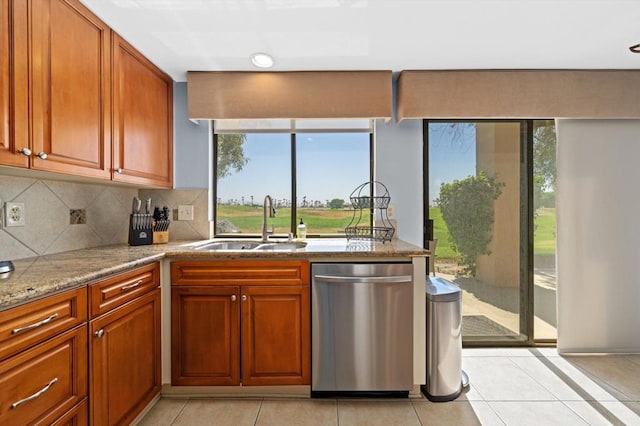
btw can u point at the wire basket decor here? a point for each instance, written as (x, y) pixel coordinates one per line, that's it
(370, 221)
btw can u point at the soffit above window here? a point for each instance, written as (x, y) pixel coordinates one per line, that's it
(289, 95)
(519, 94)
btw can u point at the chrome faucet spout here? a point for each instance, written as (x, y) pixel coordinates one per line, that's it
(272, 213)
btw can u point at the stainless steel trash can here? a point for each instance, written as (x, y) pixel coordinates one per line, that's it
(444, 341)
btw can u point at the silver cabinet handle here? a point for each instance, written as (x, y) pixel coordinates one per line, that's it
(119, 170)
(233, 297)
(99, 333)
(42, 155)
(339, 279)
(25, 151)
(36, 325)
(35, 395)
(244, 297)
(129, 287)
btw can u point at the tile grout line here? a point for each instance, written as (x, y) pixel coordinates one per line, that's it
(255, 423)
(180, 412)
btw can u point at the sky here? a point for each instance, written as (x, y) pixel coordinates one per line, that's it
(333, 165)
(452, 155)
(329, 166)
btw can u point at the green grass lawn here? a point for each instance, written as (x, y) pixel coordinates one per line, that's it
(333, 221)
(544, 236)
(318, 220)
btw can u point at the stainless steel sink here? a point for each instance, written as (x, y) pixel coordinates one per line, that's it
(283, 246)
(239, 245)
(230, 245)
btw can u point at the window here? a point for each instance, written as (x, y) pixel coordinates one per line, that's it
(309, 169)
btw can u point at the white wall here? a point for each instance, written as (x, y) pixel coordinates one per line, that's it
(598, 213)
(398, 163)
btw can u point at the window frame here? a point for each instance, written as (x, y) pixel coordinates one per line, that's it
(293, 178)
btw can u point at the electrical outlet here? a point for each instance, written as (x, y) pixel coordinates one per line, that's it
(185, 212)
(14, 214)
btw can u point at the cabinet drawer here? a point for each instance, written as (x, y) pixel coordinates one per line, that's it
(269, 272)
(34, 322)
(115, 291)
(41, 384)
(77, 416)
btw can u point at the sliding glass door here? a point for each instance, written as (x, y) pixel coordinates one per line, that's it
(479, 223)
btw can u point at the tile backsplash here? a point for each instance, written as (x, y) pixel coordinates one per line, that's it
(53, 222)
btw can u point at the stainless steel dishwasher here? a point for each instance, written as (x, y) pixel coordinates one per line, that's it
(361, 329)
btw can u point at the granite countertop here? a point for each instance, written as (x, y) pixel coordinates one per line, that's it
(37, 277)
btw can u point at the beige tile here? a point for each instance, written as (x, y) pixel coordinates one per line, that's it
(164, 412)
(500, 379)
(536, 413)
(12, 249)
(219, 412)
(46, 217)
(607, 412)
(470, 393)
(12, 186)
(73, 238)
(459, 413)
(633, 358)
(109, 217)
(374, 412)
(74, 195)
(563, 380)
(613, 372)
(298, 412)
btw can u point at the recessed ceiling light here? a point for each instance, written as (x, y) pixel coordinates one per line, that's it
(635, 48)
(262, 60)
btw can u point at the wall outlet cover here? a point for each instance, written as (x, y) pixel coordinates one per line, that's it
(185, 212)
(14, 214)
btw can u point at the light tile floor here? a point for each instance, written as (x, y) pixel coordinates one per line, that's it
(533, 386)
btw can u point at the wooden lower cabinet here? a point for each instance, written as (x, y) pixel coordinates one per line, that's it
(46, 383)
(124, 352)
(77, 416)
(253, 334)
(275, 335)
(205, 336)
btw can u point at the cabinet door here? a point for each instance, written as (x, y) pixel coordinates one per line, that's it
(125, 360)
(70, 89)
(142, 119)
(43, 383)
(13, 83)
(275, 335)
(205, 335)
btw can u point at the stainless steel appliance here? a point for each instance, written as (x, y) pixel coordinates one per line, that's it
(362, 329)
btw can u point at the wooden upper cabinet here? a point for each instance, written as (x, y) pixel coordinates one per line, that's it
(70, 89)
(13, 83)
(142, 119)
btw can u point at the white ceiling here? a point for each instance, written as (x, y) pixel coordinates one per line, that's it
(219, 35)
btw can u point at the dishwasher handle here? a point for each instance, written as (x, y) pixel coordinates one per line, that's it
(348, 280)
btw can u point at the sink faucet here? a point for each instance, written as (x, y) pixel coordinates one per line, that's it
(272, 213)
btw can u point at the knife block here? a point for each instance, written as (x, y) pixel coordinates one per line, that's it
(160, 237)
(139, 235)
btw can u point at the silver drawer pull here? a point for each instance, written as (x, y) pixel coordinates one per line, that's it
(129, 287)
(36, 325)
(35, 395)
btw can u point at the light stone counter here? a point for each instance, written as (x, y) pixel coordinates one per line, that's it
(38, 277)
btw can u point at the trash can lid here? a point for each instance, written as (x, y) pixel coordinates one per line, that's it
(441, 290)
